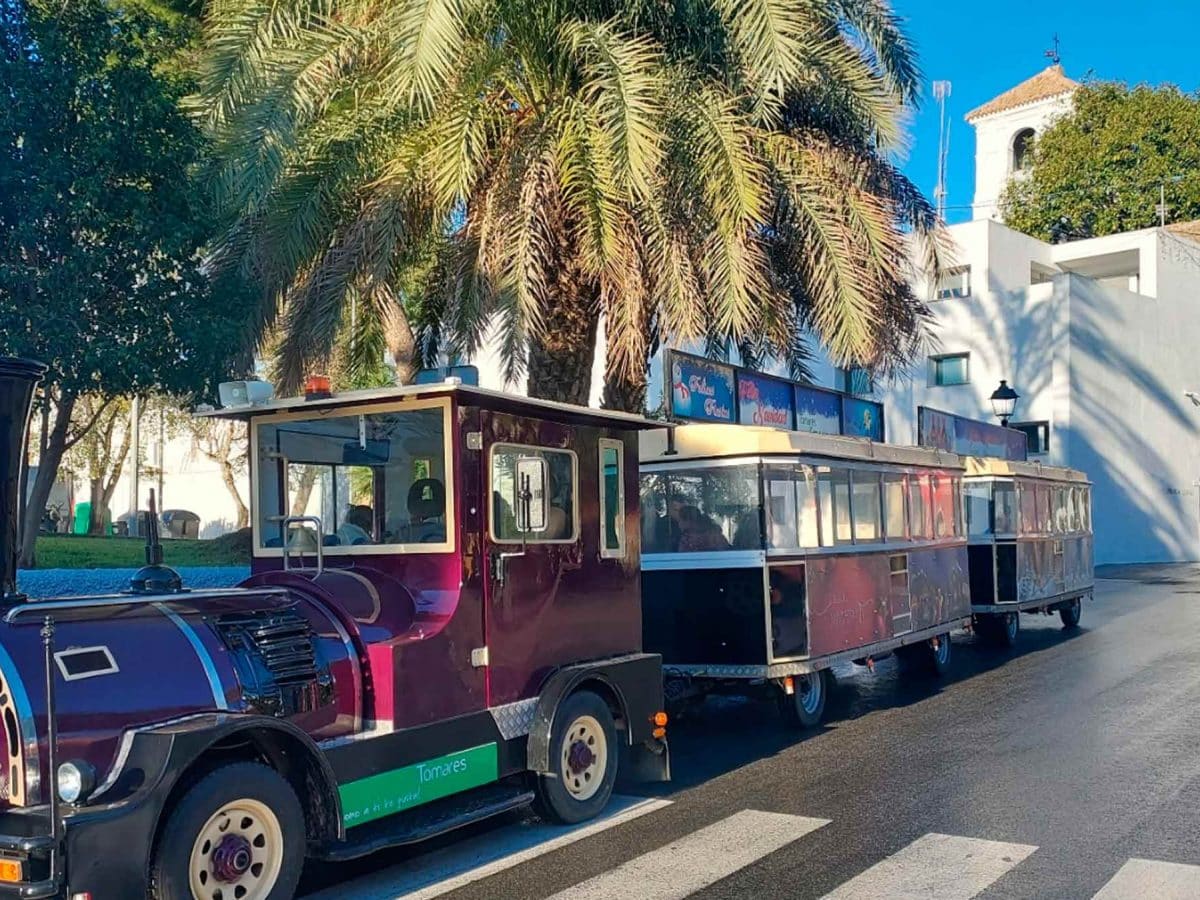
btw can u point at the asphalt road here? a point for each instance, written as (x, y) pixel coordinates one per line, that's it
(1045, 772)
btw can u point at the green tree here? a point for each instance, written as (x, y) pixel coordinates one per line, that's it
(1101, 168)
(693, 169)
(100, 231)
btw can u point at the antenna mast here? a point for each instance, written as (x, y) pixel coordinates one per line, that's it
(941, 91)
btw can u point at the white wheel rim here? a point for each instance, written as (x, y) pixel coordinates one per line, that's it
(810, 692)
(237, 854)
(1011, 624)
(943, 649)
(584, 758)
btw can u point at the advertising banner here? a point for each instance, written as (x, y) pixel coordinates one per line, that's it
(968, 437)
(818, 411)
(862, 418)
(764, 401)
(701, 389)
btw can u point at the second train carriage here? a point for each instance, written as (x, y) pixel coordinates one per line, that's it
(769, 556)
(1030, 533)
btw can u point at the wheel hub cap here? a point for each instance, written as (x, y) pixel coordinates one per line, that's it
(231, 858)
(580, 757)
(584, 758)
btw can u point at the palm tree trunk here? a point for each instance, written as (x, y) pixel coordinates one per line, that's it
(562, 355)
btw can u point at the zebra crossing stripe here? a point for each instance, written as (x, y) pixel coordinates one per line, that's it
(935, 867)
(1142, 878)
(697, 860)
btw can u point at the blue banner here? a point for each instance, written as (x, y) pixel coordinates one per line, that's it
(701, 389)
(862, 418)
(818, 411)
(764, 401)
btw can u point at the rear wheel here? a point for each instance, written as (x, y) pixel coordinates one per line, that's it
(237, 834)
(1070, 612)
(999, 629)
(931, 657)
(583, 755)
(805, 706)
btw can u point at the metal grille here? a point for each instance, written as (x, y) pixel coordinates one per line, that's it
(283, 642)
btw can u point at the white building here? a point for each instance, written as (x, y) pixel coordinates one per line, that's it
(1101, 338)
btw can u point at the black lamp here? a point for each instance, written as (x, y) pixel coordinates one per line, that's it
(1004, 402)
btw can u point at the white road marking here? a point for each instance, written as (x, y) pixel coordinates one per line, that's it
(1141, 878)
(697, 860)
(480, 857)
(935, 867)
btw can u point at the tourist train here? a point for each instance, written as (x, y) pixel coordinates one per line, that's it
(462, 602)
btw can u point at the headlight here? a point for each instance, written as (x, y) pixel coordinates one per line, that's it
(76, 779)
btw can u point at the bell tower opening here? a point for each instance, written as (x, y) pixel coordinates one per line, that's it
(1022, 151)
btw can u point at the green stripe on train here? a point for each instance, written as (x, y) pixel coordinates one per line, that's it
(391, 792)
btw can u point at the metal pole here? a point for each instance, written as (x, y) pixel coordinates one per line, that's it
(134, 486)
(51, 736)
(1162, 205)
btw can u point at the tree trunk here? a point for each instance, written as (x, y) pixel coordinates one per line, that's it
(99, 505)
(624, 390)
(243, 514)
(562, 355)
(401, 343)
(304, 486)
(54, 445)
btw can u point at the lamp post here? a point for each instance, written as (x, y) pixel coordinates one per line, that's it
(1004, 402)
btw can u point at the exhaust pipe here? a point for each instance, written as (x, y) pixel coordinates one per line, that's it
(18, 378)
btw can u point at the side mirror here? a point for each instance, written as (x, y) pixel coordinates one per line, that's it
(533, 484)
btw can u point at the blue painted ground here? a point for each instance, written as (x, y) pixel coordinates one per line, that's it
(59, 582)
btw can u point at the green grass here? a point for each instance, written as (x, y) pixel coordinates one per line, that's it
(88, 552)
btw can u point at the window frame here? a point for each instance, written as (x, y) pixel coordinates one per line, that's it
(934, 368)
(259, 551)
(940, 294)
(622, 548)
(576, 529)
(1042, 428)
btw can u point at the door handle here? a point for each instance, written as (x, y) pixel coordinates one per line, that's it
(500, 564)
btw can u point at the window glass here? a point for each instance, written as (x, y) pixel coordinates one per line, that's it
(948, 370)
(370, 479)
(867, 525)
(954, 283)
(1045, 514)
(701, 510)
(779, 494)
(1062, 524)
(979, 507)
(1086, 508)
(1004, 495)
(1072, 508)
(945, 515)
(919, 507)
(834, 485)
(612, 499)
(806, 506)
(893, 507)
(1029, 516)
(561, 492)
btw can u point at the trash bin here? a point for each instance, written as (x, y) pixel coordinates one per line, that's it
(181, 523)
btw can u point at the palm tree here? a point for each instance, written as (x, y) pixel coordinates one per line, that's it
(462, 170)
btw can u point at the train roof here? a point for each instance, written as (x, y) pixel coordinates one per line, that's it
(705, 441)
(1007, 468)
(470, 394)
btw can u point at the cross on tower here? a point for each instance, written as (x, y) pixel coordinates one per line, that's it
(1053, 56)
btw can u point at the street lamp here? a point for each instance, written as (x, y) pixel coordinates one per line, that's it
(1004, 402)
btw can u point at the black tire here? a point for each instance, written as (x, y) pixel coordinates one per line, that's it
(926, 659)
(805, 707)
(999, 629)
(1070, 612)
(238, 787)
(585, 767)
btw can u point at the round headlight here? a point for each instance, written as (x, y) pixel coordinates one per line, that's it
(76, 779)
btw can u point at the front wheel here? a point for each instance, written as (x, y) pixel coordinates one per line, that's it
(1070, 612)
(583, 754)
(237, 834)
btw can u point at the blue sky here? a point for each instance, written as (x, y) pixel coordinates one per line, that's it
(984, 47)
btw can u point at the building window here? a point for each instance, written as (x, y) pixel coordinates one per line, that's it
(1037, 435)
(856, 380)
(1022, 150)
(952, 369)
(954, 282)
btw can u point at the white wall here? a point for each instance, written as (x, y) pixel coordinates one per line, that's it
(993, 148)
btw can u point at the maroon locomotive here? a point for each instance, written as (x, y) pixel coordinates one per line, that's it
(442, 623)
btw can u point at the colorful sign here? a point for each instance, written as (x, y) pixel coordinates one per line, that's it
(701, 389)
(818, 411)
(391, 792)
(968, 437)
(764, 401)
(862, 418)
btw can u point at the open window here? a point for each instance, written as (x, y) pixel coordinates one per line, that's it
(534, 495)
(612, 499)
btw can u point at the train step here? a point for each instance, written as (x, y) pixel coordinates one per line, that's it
(428, 821)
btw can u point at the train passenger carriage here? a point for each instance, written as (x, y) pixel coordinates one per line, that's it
(1030, 534)
(769, 556)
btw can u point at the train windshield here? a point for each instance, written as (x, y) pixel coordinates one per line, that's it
(371, 480)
